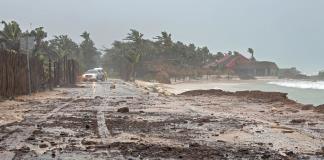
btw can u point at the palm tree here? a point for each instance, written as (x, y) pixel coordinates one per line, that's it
(63, 45)
(91, 55)
(40, 45)
(86, 36)
(164, 39)
(10, 36)
(135, 36)
(134, 54)
(251, 51)
(39, 35)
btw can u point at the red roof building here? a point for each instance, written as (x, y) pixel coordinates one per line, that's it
(241, 65)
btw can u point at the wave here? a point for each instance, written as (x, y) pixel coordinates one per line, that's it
(300, 84)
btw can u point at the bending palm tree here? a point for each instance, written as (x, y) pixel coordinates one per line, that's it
(133, 55)
(164, 39)
(251, 51)
(10, 35)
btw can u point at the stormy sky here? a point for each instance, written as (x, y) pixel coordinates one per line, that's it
(289, 32)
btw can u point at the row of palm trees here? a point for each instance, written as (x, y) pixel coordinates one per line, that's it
(58, 47)
(135, 56)
(132, 57)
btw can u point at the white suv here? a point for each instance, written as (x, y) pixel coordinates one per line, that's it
(101, 72)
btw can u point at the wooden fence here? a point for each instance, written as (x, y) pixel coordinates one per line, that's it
(14, 74)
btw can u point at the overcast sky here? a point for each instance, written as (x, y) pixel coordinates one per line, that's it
(289, 32)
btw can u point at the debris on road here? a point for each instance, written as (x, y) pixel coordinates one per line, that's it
(194, 125)
(123, 110)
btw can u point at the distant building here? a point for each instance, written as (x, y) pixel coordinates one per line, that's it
(241, 65)
(288, 72)
(257, 68)
(291, 73)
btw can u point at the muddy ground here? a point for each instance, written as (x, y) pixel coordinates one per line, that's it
(91, 122)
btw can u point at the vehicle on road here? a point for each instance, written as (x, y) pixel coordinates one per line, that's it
(102, 73)
(92, 75)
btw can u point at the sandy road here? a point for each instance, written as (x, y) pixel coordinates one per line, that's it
(83, 123)
(16, 137)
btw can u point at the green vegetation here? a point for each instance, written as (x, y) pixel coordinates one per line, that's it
(10, 35)
(46, 50)
(136, 57)
(133, 57)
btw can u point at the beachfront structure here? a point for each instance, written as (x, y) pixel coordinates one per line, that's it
(257, 68)
(243, 66)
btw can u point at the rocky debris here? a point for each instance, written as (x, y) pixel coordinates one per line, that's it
(287, 131)
(312, 123)
(203, 120)
(319, 109)
(88, 142)
(98, 97)
(53, 143)
(297, 121)
(175, 135)
(63, 134)
(194, 151)
(216, 92)
(31, 138)
(123, 110)
(267, 96)
(321, 152)
(43, 145)
(307, 107)
(112, 86)
(82, 100)
(192, 145)
(259, 95)
(64, 99)
(292, 110)
(274, 109)
(24, 149)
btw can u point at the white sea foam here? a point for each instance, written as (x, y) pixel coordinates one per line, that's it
(300, 84)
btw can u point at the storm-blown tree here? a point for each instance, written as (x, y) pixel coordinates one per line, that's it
(10, 36)
(41, 46)
(89, 52)
(251, 51)
(134, 51)
(164, 40)
(148, 58)
(64, 46)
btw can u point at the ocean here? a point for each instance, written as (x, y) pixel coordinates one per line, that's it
(305, 92)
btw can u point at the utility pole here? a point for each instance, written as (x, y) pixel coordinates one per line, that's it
(27, 44)
(28, 66)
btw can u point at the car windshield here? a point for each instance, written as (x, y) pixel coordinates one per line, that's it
(92, 71)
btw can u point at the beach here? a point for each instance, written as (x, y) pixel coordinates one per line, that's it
(305, 92)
